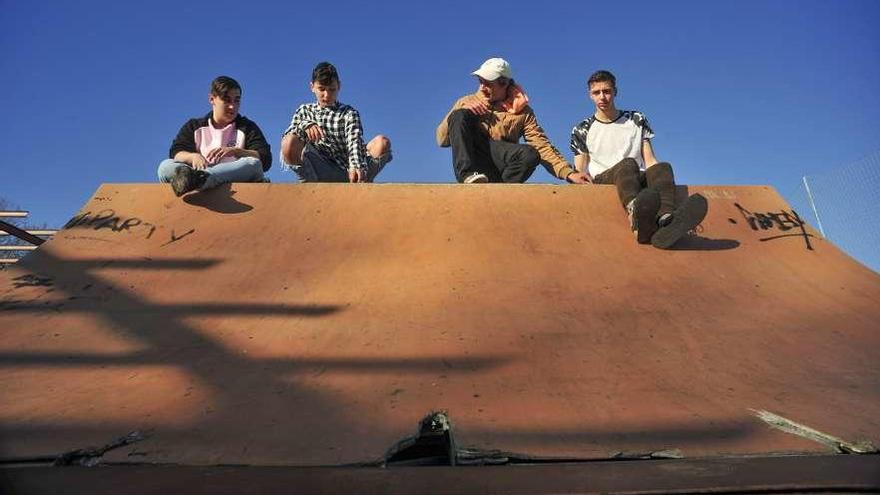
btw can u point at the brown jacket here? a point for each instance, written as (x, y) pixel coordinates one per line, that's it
(510, 127)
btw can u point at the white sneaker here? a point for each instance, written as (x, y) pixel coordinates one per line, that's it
(476, 178)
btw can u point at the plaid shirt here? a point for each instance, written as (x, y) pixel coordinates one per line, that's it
(343, 140)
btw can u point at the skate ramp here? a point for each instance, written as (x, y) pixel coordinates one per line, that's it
(314, 325)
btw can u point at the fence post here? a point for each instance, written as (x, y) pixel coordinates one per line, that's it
(813, 206)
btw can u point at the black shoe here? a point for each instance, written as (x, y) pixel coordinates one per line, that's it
(644, 214)
(685, 218)
(476, 178)
(187, 179)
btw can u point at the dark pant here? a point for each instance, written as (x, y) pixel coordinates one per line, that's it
(473, 151)
(318, 168)
(630, 180)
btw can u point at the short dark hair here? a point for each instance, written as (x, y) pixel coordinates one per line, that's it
(222, 85)
(325, 73)
(602, 76)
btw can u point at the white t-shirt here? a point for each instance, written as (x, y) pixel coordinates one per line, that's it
(607, 143)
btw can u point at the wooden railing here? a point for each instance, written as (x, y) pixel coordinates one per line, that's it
(33, 237)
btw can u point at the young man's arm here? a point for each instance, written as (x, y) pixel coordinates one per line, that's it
(256, 146)
(183, 148)
(582, 162)
(648, 153)
(578, 146)
(303, 128)
(301, 121)
(354, 141)
(647, 134)
(197, 161)
(215, 155)
(535, 137)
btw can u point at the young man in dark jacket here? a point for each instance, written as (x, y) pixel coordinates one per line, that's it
(220, 147)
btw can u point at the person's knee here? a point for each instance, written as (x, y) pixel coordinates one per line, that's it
(629, 166)
(379, 145)
(252, 162)
(254, 165)
(660, 168)
(660, 171)
(461, 115)
(626, 176)
(626, 170)
(166, 169)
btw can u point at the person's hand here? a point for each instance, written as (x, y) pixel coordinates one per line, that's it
(198, 162)
(314, 133)
(357, 175)
(579, 178)
(215, 155)
(476, 105)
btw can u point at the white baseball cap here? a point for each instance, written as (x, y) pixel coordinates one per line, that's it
(493, 69)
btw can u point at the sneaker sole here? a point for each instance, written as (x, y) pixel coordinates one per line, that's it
(685, 218)
(477, 180)
(645, 215)
(179, 182)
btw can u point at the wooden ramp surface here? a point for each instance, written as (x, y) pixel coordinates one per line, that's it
(305, 325)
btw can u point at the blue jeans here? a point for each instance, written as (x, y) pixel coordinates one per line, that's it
(318, 168)
(245, 169)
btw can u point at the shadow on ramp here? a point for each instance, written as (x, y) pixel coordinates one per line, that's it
(219, 199)
(700, 243)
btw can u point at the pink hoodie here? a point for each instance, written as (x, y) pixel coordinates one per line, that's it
(516, 100)
(209, 137)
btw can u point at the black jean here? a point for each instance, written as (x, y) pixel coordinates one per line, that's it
(474, 152)
(630, 180)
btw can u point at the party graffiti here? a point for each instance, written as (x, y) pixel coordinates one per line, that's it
(108, 219)
(782, 221)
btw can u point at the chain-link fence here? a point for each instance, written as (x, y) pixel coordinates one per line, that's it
(843, 204)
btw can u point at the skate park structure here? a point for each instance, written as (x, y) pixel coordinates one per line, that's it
(356, 327)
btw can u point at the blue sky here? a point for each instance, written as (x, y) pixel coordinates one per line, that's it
(747, 92)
